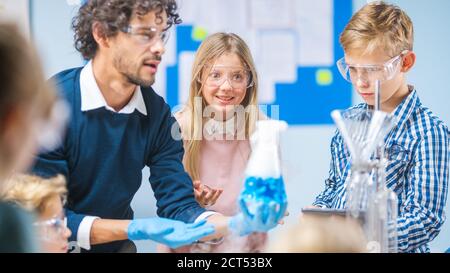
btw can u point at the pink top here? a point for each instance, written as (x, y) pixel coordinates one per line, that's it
(222, 165)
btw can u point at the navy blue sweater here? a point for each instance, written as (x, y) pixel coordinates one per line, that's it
(103, 155)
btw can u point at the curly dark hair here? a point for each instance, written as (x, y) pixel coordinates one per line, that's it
(114, 15)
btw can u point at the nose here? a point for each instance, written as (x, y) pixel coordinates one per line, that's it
(67, 232)
(226, 85)
(158, 48)
(361, 82)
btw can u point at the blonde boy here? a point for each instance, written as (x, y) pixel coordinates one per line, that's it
(378, 45)
(45, 198)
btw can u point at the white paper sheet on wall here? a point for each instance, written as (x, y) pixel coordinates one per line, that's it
(215, 15)
(316, 32)
(276, 61)
(271, 13)
(282, 34)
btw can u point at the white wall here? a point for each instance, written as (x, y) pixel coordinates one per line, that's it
(16, 11)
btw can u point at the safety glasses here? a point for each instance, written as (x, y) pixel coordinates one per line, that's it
(237, 77)
(52, 229)
(368, 72)
(147, 36)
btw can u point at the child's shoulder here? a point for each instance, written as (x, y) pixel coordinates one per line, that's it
(429, 121)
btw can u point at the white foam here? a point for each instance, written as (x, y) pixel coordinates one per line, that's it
(265, 158)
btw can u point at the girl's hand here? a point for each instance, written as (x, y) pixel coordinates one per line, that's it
(205, 195)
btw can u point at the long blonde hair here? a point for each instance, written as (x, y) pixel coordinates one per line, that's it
(212, 48)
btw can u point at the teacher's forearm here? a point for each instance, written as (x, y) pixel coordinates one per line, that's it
(105, 231)
(220, 223)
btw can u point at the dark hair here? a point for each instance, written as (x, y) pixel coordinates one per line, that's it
(114, 15)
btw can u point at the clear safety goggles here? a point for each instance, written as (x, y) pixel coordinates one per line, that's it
(147, 36)
(52, 229)
(369, 72)
(237, 77)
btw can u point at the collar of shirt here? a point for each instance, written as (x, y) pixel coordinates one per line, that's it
(92, 98)
(228, 127)
(404, 110)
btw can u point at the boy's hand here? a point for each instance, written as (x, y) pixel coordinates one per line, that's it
(205, 195)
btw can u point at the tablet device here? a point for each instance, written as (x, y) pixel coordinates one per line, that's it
(330, 212)
(324, 211)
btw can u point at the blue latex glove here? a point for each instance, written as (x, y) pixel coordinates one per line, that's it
(257, 190)
(169, 232)
(266, 217)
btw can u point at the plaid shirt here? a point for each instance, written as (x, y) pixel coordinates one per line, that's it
(417, 171)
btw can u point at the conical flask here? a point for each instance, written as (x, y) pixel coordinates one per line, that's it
(264, 181)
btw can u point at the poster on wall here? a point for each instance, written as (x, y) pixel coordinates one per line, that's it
(295, 44)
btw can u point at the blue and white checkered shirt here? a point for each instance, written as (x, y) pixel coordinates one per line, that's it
(418, 172)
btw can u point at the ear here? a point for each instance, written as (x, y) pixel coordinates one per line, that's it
(408, 61)
(98, 31)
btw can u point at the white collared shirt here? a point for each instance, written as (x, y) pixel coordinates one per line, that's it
(92, 98)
